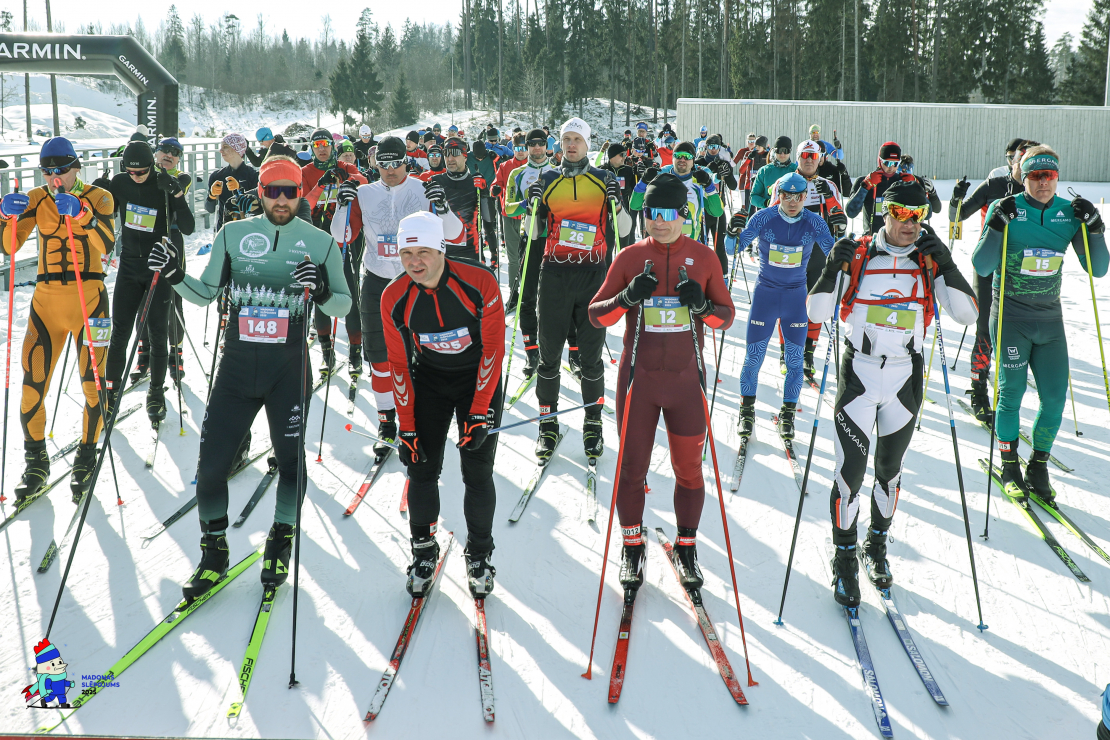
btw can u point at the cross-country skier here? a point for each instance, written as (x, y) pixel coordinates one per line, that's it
(463, 187)
(869, 189)
(772, 172)
(510, 225)
(229, 180)
(886, 309)
(702, 194)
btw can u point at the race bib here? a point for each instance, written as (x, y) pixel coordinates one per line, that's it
(576, 234)
(781, 255)
(621, 181)
(387, 246)
(1041, 262)
(265, 324)
(140, 218)
(447, 342)
(665, 314)
(101, 330)
(888, 318)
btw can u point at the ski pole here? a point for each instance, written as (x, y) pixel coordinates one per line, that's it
(720, 491)
(207, 310)
(1074, 420)
(997, 375)
(61, 392)
(212, 373)
(185, 330)
(588, 675)
(955, 442)
(721, 349)
(809, 453)
(929, 370)
(958, 350)
(301, 483)
(100, 458)
(523, 280)
(1094, 305)
(20, 200)
(327, 391)
(173, 332)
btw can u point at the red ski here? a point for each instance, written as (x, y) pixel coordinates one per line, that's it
(620, 658)
(485, 672)
(367, 482)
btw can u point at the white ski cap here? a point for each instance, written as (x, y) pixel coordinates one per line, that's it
(364, 130)
(809, 145)
(421, 229)
(577, 126)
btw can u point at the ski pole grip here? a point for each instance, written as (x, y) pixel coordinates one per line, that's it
(682, 276)
(648, 264)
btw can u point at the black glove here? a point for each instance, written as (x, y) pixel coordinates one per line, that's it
(930, 245)
(613, 190)
(838, 219)
(163, 257)
(348, 191)
(721, 167)
(410, 450)
(535, 190)
(843, 252)
(641, 288)
(690, 293)
(836, 142)
(495, 191)
(649, 174)
(474, 432)
(640, 168)
(736, 223)
(927, 184)
(310, 276)
(821, 185)
(1085, 211)
(1005, 211)
(701, 177)
(960, 190)
(168, 183)
(435, 193)
(328, 178)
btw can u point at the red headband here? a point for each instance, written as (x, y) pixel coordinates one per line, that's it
(279, 169)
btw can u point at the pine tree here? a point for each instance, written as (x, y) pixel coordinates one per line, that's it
(401, 110)
(173, 56)
(1086, 81)
(365, 85)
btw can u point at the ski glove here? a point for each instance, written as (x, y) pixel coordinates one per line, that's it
(479, 182)
(168, 183)
(930, 245)
(640, 168)
(701, 177)
(838, 219)
(232, 184)
(1005, 211)
(435, 193)
(641, 287)
(348, 191)
(836, 141)
(163, 258)
(1085, 211)
(821, 185)
(311, 276)
(960, 190)
(535, 190)
(216, 190)
(410, 450)
(14, 204)
(649, 174)
(474, 432)
(496, 191)
(736, 223)
(691, 294)
(843, 252)
(873, 179)
(613, 190)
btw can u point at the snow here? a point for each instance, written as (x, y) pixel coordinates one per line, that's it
(1037, 672)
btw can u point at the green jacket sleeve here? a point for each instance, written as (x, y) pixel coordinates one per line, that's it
(204, 290)
(987, 255)
(1100, 258)
(637, 201)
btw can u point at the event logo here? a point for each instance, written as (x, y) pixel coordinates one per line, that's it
(51, 682)
(254, 245)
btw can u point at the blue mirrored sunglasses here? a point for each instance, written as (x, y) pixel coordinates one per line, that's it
(667, 214)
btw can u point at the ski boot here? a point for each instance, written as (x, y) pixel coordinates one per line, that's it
(1013, 482)
(845, 581)
(548, 438)
(425, 556)
(746, 423)
(142, 363)
(83, 463)
(782, 359)
(1036, 478)
(633, 558)
(873, 557)
(575, 363)
(689, 572)
(592, 440)
(479, 572)
(37, 472)
(786, 420)
(807, 359)
(214, 560)
(156, 404)
(177, 364)
(328, 366)
(532, 362)
(277, 555)
(387, 431)
(981, 402)
(354, 369)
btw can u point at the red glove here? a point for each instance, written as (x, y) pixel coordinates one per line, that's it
(874, 178)
(479, 182)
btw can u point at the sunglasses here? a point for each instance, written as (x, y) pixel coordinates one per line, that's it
(273, 192)
(782, 150)
(889, 162)
(683, 155)
(519, 148)
(713, 148)
(389, 165)
(538, 142)
(667, 214)
(791, 197)
(320, 144)
(1047, 175)
(170, 150)
(139, 173)
(54, 170)
(900, 212)
(454, 152)
(809, 155)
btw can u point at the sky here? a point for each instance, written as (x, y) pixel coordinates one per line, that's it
(1060, 15)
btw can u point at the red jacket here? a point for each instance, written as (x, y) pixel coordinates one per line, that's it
(502, 177)
(310, 180)
(456, 327)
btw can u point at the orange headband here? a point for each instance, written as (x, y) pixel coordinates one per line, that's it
(279, 169)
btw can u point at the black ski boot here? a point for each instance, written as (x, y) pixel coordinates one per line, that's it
(328, 366)
(1036, 478)
(689, 572)
(873, 557)
(532, 363)
(592, 440)
(575, 363)
(214, 561)
(277, 556)
(479, 572)
(37, 471)
(633, 558)
(142, 362)
(83, 463)
(786, 420)
(845, 581)
(156, 404)
(177, 365)
(1013, 482)
(354, 369)
(807, 361)
(746, 423)
(981, 402)
(425, 556)
(387, 430)
(548, 438)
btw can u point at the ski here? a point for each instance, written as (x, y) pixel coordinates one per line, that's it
(259, 491)
(246, 670)
(163, 628)
(1046, 535)
(1051, 458)
(791, 456)
(21, 505)
(534, 483)
(352, 395)
(738, 466)
(521, 390)
(407, 631)
(368, 481)
(63, 451)
(620, 656)
(693, 598)
(968, 410)
(404, 505)
(898, 622)
(485, 672)
(155, 428)
(1058, 514)
(867, 668)
(591, 491)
